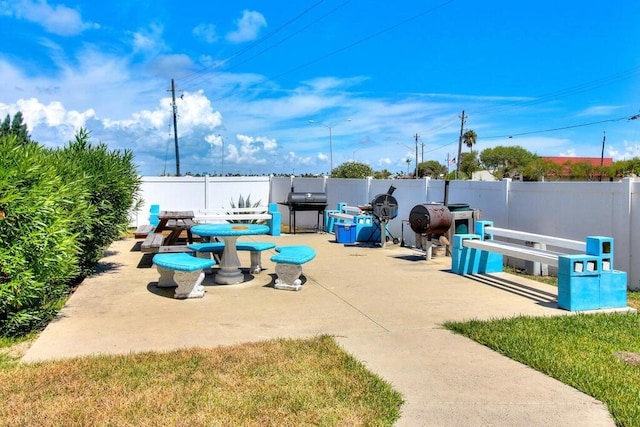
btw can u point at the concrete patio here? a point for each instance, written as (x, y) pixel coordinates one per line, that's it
(384, 305)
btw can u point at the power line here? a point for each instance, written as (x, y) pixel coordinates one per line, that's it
(452, 142)
(351, 45)
(573, 90)
(634, 117)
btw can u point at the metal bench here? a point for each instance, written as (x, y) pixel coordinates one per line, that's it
(182, 271)
(289, 261)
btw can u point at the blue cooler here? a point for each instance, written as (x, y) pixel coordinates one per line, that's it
(345, 233)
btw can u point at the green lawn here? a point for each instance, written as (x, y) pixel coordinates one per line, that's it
(595, 353)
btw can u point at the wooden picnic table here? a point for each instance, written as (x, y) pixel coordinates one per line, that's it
(173, 221)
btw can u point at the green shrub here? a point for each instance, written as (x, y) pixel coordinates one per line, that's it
(59, 210)
(113, 184)
(39, 216)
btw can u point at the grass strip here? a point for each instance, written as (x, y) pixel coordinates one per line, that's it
(597, 354)
(272, 383)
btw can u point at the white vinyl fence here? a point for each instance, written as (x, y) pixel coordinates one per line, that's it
(571, 210)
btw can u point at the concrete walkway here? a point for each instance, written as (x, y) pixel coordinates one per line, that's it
(384, 305)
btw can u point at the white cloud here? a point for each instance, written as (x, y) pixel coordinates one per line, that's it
(599, 110)
(52, 124)
(214, 140)
(59, 19)
(148, 40)
(248, 27)
(569, 153)
(195, 110)
(206, 33)
(251, 150)
(629, 151)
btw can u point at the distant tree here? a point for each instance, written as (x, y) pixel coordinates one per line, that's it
(469, 138)
(540, 169)
(583, 171)
(506, 162)
(408, 160)
(5, 126)
(432, 169)
(624, 168)
(383, 174)
(15, 127)
(352, 170)
(469, 163)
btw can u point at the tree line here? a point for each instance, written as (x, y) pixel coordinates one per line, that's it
(503, 162)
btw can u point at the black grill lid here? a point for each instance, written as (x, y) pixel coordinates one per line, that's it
(295, 198)
(384, 206)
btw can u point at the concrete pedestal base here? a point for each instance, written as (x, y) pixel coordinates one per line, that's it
(288, 277)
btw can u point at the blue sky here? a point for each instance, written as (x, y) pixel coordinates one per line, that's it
(554, 77)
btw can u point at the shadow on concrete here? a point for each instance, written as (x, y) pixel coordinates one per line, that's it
(412, 258)
(146, 261)
(545, 299)
(153, 288)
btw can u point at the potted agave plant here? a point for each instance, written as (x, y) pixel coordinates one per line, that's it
(244, 204)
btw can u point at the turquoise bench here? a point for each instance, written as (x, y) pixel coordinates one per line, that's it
(256, 249)
(182, 271)
(289, 260)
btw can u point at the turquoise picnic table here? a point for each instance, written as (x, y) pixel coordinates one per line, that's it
(230, 271)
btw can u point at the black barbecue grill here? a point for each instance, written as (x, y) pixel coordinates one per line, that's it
(383, 207)
(299, 201)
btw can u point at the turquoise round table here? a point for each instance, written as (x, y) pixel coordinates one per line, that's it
(229, 272)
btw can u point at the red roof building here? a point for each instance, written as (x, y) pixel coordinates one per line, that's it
(594, 162)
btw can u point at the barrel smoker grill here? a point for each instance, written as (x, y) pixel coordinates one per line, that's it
(430, 219)
(300, 201)
(383, 207)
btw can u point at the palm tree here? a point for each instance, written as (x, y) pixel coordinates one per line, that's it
(469, 138)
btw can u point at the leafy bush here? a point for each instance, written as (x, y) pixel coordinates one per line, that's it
(352, 170)
(39, 216)
(113, 185)
(59, 210)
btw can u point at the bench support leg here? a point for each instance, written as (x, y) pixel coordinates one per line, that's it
(256, 262)
(166, 279)
(288, 277)
(206, 255)
(188, 284)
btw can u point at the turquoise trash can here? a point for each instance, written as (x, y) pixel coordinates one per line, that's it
(461, 225)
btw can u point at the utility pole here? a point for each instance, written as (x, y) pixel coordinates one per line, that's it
(604, 138)
(463, 118)
(416, 136)
(175, 125)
